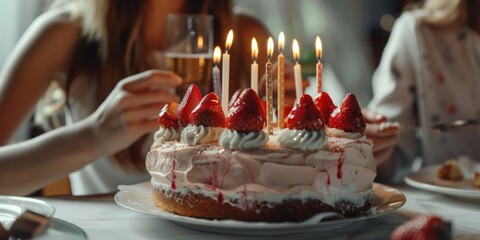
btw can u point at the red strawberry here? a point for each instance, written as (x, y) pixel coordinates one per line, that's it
(209, 112)
(305, 115)
(325, 104)
(247, 113)
(348, 116)
(166, 117)
(189, 102)
(423, 227)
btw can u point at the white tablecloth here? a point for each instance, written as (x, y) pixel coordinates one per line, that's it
(102, 218)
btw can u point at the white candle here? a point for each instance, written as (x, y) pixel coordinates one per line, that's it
(319, 67)
(226, 73)
(254, 67)
(280, 84)
(217, 87)
(297, 69)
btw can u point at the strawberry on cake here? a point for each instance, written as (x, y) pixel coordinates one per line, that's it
(230, 168)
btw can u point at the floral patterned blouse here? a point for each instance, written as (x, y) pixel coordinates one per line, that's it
(430, 75)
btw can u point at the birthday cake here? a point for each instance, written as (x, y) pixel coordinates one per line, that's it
(206, 165)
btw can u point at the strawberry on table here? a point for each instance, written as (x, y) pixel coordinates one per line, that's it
(209, 112)
(305, 115)
(189, 102)
(325, 104)
(348, 116)
(247, 113)
(167, 117)
(423, 227)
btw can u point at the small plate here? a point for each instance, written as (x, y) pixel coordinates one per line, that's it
(426, 179)
(11, 207)
(59, 229)
(139, 198)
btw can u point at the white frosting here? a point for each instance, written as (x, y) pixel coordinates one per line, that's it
(343, 170)
(199, 134)
(335, 132)
(166, 134)
(234, 140)
(302, 139)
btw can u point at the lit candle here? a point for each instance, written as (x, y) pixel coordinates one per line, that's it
(297, 69)
(201, 60)
(226, 73)
(254, 67)
(318, 50)
(269, 88)
(281, 86)
(217, 54)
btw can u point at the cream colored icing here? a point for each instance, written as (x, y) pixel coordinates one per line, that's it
(166, 134)
(343, 170)
(302, 139)
(335, 132)
(199, 134)
(233, 140)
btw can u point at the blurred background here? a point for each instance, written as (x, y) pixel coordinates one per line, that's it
(353, 34)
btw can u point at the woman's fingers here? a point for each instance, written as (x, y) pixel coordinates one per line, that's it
(384, 143)
(144, 112)
(146, 98)
(152, 79)
(382, 130)
(371, 116)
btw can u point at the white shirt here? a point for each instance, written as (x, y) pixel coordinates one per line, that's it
(427, 76)
(102, 175)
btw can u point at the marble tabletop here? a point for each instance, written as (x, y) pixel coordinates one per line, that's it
(101, 218)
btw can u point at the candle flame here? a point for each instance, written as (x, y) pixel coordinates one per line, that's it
(318, 47)
(254, 49)
(200, 42)
(217, 54)
(281, 41)
(229, 41)
(296, 50)
(270, 47)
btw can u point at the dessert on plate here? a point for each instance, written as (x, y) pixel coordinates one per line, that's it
(211, 166)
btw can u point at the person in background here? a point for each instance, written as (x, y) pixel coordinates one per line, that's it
(429, 74)
(95, 68)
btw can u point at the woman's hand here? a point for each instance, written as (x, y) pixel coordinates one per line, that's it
(289, 84)
(382, 133)
(130, 110)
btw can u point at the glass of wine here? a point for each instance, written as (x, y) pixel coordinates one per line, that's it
(189, 49)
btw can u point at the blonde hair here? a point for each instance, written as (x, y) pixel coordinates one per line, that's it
(445, 12)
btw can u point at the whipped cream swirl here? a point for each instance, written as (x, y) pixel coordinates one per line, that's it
(234, 140)
(339, 133)
(302, 139)
(194, 135)
(166, 134)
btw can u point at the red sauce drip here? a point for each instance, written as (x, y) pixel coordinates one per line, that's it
(328, 179)
(339, 166)
(220, 198)
(174, 186)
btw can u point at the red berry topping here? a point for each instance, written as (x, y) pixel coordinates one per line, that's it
(305, 115)
(247, 113)
(348, 116)
(189, 102)
(325, 104)
(167, 117)
(209, 112)
(423, 227)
